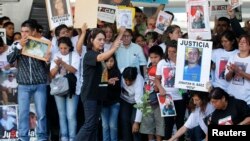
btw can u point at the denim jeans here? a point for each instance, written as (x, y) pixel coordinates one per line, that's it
(109, 116)
(25, 92)
(88, 131)
(67, 108)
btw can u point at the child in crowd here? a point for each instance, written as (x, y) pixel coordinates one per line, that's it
(111, 105)
(153, 124)
(165, 76)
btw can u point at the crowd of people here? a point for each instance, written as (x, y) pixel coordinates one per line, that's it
(111, 67)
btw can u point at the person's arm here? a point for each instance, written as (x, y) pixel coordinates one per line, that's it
(158, 85)
(159, 8)
(179, 133)
(81, 39)
(114, 47)
(246, 121)
(234, 22)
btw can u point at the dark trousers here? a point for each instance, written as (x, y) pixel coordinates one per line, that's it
(52, 117)
(88, 131)
(196, 134)
(180, 108)
(127, 116)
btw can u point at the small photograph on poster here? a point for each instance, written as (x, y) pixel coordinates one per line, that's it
(9, 92)
(166, 104)
(32, 122)
(192, 68)
(36, 48)
(3, 34)
(59, 12)
(8, 122)
(162, 22)
(124, 18)
(197, 13)
(222, 68)
(239, 80)
(169, 76)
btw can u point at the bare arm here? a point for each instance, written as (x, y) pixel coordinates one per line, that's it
(159, 8)
(158, 85)
(179, 133)
(246, 121)
(114, 47)
(81, 39)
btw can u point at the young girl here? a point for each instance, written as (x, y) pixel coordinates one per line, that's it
(153, 124)
(220, 57)
(109, 32)
(165, 75)
(200, 107)
(92, 84)
(238, 71)
(111, 105)
(66, 61)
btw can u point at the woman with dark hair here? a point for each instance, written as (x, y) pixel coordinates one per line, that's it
(132, 92)
(195, 126)
(111, 104)
(66, 61)
(238, 71)
(220, 57)
(173, 32)
(228, 110)
(94, 76)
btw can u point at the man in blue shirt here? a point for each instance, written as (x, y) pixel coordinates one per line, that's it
(192, 70)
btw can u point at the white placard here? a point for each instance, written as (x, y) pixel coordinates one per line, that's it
(124, 18)
(106, 13)
(235, 3)
(218, 9)
(59, 12)
(3, 34)
(198, 20)
(162, 22)
(166, 105)
(193, 64)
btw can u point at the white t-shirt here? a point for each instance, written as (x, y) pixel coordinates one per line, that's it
(239, 87)
(13, 84)
(167, 72)
(220, 58)
(196, 118)
(107, 46)
(75, 61)
(133, 94)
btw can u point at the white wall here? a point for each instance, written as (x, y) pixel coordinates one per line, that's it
(17, 11)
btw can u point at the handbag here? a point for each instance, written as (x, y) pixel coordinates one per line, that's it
(60, 86)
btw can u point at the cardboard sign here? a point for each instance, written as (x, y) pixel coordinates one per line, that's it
(59, 12)
(193, 64)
